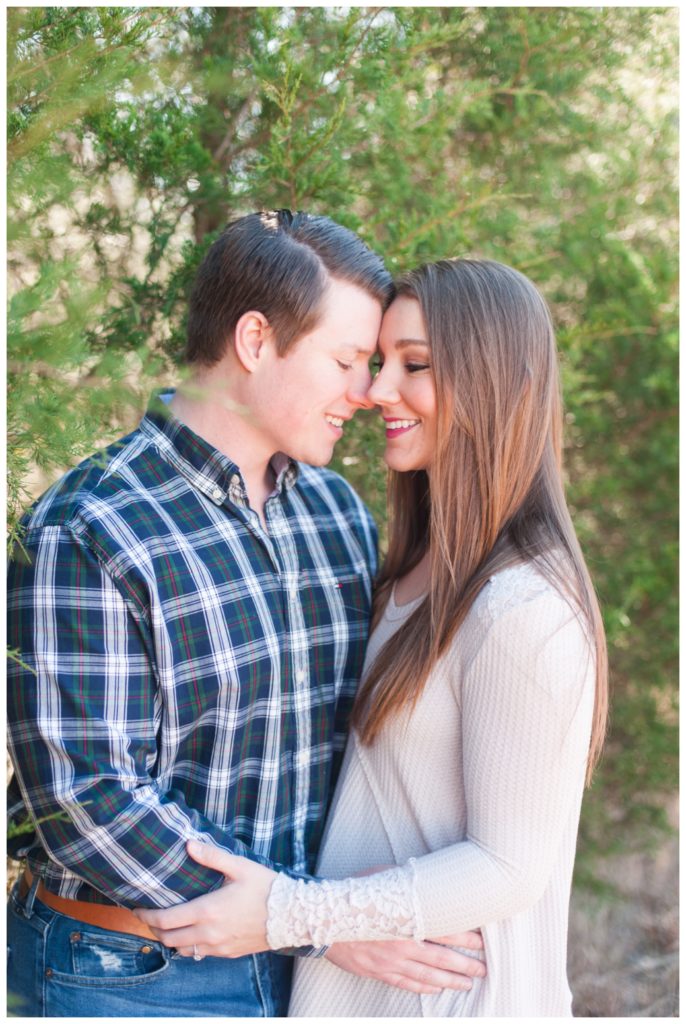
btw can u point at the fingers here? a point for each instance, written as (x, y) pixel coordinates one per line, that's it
(434, 977)
(424, 968)
(211, 856)
(185, 938)
(162, 920)
(190, 951)
(410, 985)
(180, 916)
(384, 961)
(457, 974)
(467, 940)
(195, 952)
(450, 961)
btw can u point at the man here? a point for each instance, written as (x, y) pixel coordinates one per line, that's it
(191, 607)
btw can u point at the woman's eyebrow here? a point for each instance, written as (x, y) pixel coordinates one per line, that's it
(405, 342)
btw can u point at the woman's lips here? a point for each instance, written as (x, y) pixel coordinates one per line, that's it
(396, 427)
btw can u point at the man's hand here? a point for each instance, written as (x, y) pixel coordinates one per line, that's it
(230, 921)
(423, 967)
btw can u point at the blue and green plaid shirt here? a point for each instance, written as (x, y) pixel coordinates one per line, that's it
(186, 674)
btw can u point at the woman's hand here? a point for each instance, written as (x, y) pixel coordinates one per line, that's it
(229, 922)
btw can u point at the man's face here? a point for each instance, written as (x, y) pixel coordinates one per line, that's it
(306, 396)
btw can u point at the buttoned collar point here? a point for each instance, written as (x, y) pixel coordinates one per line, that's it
(204, 466)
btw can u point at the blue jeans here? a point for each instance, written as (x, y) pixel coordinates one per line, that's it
(59, 967)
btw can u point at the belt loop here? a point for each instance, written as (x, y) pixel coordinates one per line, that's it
(31, 897)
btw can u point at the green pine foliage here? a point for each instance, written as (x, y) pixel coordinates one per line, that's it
(541, 137)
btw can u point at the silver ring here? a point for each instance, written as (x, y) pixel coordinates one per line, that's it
(196, 955)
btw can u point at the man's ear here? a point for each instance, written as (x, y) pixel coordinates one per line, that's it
(251, 334)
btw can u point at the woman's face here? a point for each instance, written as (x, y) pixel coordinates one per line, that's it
(404, 388)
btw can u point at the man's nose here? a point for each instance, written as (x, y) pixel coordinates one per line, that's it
(358, 392)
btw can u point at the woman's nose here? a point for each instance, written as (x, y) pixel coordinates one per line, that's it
(382, 391)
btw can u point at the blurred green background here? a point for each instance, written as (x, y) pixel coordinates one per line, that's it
(542, 137)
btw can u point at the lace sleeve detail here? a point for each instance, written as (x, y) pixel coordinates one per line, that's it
(380, 906)
(509, 588)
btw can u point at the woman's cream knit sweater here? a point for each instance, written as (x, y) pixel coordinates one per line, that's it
(481, 785)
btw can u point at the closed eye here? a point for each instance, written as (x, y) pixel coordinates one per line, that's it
(416, 367)
(344, 366)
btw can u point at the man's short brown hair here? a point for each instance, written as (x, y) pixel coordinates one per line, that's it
(277, 263)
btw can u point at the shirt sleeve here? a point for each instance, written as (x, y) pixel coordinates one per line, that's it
(527, 705)
(84, 710)
(527, 701)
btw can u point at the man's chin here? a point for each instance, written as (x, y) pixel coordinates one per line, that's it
(316, 458)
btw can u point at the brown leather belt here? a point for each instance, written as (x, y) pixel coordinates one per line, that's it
(110, 917)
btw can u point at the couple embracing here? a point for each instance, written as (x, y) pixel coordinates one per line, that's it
(240, 795)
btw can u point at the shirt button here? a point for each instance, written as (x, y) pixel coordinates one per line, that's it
(302, 758)
(300, 676)
(217, 494)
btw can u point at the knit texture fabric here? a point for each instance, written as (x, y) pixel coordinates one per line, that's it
(481, 782)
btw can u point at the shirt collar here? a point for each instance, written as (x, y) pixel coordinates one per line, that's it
(203, 465)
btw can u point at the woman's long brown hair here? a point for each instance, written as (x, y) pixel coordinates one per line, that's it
(496, 496)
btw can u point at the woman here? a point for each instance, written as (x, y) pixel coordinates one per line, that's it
(483, 702)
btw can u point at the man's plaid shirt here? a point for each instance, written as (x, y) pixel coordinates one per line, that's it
(185, 673)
